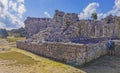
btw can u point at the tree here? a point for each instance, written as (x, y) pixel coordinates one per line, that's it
(21, 32)
(94, 16)
(3, 33)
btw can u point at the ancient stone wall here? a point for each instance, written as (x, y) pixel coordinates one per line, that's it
(58, 17)
(117, 47)
(68, 20)
(34, 25)
(73, 54)
(83, 28)
(117, 27)
(68, 26)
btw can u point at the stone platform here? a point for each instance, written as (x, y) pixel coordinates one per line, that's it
(70, 53)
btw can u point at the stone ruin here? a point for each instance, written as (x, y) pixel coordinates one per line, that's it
(68, 39)
(66, 27)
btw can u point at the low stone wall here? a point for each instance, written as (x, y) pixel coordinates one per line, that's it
(73, 54)
(117, 48)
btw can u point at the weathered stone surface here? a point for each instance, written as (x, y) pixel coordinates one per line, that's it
(54, 37)
(73, 54)
(66, 27)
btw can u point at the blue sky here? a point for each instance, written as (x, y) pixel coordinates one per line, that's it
(14, 12)
(37, 8)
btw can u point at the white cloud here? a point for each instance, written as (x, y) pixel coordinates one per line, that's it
(117, 3)
(21, 1)
(91, 8)
(116, 9)
(21, 10)
(2, 25)
(11, 13)
(47, 14)
(13, 5)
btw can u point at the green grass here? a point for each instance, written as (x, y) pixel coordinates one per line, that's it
(11, 39)
(45, 65)
(18, 57)
(32, 63)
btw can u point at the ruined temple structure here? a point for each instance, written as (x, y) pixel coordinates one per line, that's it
(66, 38)
(66, 27)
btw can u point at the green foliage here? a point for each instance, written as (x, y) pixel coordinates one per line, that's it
(18, 32)
(17, 35)
(3, 33)
(94, 16)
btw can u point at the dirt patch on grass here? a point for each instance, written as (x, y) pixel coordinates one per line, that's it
(4, 46)
(7, 62)
(14, 69)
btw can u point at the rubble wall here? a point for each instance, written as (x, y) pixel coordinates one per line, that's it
(117, 48)
(73, 54)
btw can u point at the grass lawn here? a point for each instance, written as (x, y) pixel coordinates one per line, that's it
(27, 62)
(18, 57)
(14, 39)
(37, 64)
